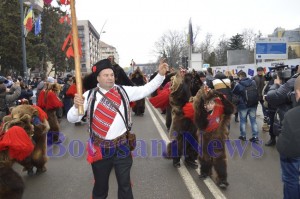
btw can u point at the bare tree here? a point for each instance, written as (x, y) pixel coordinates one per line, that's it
(205, 47)
(249, 38)
(171, 45)
(221, 51)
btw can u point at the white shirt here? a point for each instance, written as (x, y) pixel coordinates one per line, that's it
(134, 93)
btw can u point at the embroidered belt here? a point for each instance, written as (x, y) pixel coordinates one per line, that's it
(120, 140)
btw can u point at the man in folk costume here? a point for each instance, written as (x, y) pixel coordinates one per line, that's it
(212, 117)
(49, 101)
(107, 106)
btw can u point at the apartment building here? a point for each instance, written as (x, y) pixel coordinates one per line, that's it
(90, 45)
(292, 37)
(107, 50)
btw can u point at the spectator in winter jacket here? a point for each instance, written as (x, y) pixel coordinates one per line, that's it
(26, 92)
(260, 83)
(209, 78)
(244, 109)
(222, 84)
(289, 150)
(8, 99)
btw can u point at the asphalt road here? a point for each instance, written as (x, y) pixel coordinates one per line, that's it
(254, 173)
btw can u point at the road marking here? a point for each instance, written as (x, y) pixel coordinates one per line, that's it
(186, 176)
(215, 191)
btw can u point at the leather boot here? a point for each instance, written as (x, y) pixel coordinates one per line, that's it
(271, 142)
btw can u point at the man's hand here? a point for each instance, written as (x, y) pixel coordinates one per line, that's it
(163, 67)
(78, 100)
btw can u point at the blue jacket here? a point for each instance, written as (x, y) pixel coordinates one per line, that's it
(239, 89)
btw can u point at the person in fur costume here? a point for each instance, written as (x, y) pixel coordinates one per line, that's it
(139, 79)
(15, 145)
(182, 130)
(39, 120)
(212, 117)
(49, 101)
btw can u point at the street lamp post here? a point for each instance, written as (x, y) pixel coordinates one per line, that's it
(101, 31)
(23, 42)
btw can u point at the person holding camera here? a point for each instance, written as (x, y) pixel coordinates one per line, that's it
(289, 150)
(271, 110)
(278, 95)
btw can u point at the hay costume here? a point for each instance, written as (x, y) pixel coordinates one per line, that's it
(212, 117)
(49, 101)
(182, 129)
(15, 145)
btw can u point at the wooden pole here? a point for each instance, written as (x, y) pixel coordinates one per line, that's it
(76, 54)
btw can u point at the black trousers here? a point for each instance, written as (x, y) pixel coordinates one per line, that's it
(121, 160)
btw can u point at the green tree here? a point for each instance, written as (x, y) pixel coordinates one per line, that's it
(212, 59)
(10, 34)
(236, 42)
(40, 49)
(53, 36)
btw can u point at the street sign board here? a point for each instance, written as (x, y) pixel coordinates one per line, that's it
(206, 65)
(271, 48)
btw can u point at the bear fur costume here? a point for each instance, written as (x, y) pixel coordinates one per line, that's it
(40, 125)
(15, 145)
(48, 100)
(181, 127)
(211, 127)
(138, 79)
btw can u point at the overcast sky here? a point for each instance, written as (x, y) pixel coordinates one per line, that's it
(133, 26)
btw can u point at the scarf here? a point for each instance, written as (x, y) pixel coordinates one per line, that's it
(105, 113)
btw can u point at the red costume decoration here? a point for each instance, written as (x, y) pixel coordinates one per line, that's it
(161, 100)
(18, 143)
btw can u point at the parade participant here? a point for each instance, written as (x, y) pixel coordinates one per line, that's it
(212, 117)
(182, 128)
(138, 79)
(120, 76)
(288, 146)
(108, 147)
(49, 101)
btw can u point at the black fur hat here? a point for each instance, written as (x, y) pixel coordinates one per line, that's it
(90, 80)
(101, 65)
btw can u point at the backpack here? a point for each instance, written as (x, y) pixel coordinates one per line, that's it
(250, 95)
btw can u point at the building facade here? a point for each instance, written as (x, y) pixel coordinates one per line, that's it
(107, 50)
(89, 38)
(292, 37)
